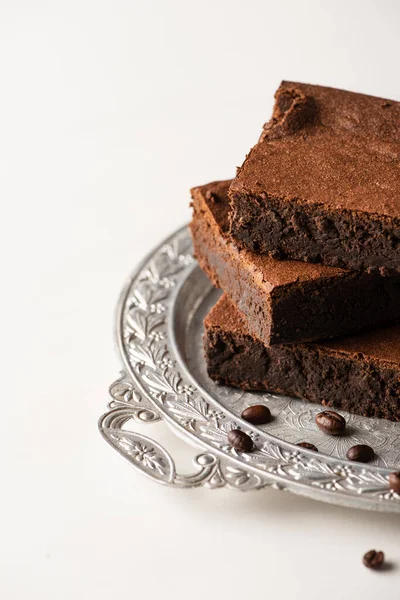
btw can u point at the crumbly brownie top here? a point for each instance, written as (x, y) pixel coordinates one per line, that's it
(330, 147)
(273, 273)
(380, 344)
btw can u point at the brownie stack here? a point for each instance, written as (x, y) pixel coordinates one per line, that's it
(305, 244)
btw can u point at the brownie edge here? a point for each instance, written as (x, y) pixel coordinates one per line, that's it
(360, 374)
(286, 301)
(323, 182)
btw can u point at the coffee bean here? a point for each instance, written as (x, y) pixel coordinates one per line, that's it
(308, 445)
(360, 453)
(240, 440)
(394, 482)
(373, 559)
(330, 422)
(258, 414)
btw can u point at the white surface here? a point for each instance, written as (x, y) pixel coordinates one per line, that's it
(110, 111)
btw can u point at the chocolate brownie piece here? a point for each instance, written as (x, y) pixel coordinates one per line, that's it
(286, 301)
(360, 374)
(323, 182)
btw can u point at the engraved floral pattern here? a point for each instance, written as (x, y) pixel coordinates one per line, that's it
(143, 453)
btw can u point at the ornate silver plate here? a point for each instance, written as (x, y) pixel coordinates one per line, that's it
(159, 331)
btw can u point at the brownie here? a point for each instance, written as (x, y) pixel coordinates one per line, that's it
(360, 374)
(323, 183)
(286, 301)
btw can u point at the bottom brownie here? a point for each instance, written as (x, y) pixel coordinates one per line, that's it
(360, 374)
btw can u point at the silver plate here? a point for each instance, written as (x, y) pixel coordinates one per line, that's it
(159, 331)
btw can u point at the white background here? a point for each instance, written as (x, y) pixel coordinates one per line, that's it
(109, 112)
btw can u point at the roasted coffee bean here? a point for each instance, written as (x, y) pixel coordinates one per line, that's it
(360, 453)
(330, 422)
(394, 482)
(373, 559)
(308, 445)
(240, 440)
(258, 414)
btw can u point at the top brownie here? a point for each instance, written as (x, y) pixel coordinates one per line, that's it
(323, 182)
